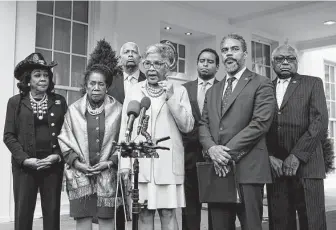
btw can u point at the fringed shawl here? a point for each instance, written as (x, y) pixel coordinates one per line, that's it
(74, 137)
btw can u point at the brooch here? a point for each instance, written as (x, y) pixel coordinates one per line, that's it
(58, 102)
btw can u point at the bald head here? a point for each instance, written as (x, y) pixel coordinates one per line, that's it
(130, 57)
(285, 61)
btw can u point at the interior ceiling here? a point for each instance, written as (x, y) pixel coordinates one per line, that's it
(299, 21)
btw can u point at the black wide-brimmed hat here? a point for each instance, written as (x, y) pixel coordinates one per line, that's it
(33, 61)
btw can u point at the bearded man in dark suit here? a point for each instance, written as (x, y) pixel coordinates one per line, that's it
(207, 67)
(237, 114)
(294, 142)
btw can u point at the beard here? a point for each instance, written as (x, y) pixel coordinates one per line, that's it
(232, 68)
(205, 76)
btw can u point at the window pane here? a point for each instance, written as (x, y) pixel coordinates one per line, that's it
(328, 107)
(73, 96)
(267, 55)
(332, 110)
(77, 73)
(44, 25)
(61, 92)
(258, 53)
(268, 72)
(175, 45)
(253, 67)
(327, 91)
(80, 11)
(46, 54)
(79, 38)
(45, 7)
(181, 51)
(331, 129)
(253, 51)
(62, 35)
(62, 70)
(326, 73)
(181, 65)
(332, 91)
(63, 9)
(332, 74)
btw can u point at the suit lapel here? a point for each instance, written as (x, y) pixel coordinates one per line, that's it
(294, 82)
(193, 96)
(244, 79)
(26, 102)
(219, 96)
(275, 82)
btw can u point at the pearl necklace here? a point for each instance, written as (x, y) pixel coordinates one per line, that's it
(154, 92)
(39, 107)
(95, 111)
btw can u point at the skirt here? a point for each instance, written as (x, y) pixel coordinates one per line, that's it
(156, 196)
(87, 207)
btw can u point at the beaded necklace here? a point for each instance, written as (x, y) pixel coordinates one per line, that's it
(39, 107)
(154, 92)
(94, 111)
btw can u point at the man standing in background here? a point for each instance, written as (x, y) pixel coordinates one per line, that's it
(129, 60)
(207, 67)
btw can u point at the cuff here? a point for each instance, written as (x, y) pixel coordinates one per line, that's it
(302, 156)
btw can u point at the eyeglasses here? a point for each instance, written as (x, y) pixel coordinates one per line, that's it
(281, 59)
(156, 64)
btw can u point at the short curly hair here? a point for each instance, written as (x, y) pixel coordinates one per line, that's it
(236, 37)
(97, 68)
(164, 50)
(26, 77)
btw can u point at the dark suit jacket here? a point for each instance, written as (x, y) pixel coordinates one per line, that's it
(243, 125)
(300, 124)
(117, 88)
(19, 132)
(192, 146)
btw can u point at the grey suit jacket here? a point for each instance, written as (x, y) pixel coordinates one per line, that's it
(300, 124)
(243, 125)
(117, 88)
(192, 146)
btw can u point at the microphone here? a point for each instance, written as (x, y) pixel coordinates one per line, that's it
(144, 105)
(133, 110)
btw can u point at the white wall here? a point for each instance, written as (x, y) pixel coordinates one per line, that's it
(7, 60)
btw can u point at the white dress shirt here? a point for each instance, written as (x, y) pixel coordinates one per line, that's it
(234, 83)
(281, 88)
(201, 91)
(130, 80)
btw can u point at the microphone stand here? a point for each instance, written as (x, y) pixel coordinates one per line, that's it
(141, 149)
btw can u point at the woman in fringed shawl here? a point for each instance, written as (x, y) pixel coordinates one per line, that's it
(86, 140)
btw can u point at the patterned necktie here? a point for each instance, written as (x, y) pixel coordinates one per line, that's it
(227, 93)
(201, 95)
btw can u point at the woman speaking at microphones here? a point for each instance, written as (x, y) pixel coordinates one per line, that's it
(160, 179)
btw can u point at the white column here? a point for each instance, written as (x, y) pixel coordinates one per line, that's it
(7, 50)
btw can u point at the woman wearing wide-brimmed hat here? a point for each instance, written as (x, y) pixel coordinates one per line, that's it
(33, 121)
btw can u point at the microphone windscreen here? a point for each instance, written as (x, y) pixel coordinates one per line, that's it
(145, 102)
(133, 108)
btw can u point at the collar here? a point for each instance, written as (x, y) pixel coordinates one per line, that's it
(283, 80)
(237, 75)
(201, 81)
(134, 75)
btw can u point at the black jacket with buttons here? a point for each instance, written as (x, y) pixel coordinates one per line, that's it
(19, 131)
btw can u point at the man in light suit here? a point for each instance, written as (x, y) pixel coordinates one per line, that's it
(207, 67)
(294, 141)
(129, 61)
(237, 114)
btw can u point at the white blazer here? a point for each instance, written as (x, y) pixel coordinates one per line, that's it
(173, 116)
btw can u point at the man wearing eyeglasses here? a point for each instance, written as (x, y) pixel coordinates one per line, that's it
(295, 149)
(129, 60)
